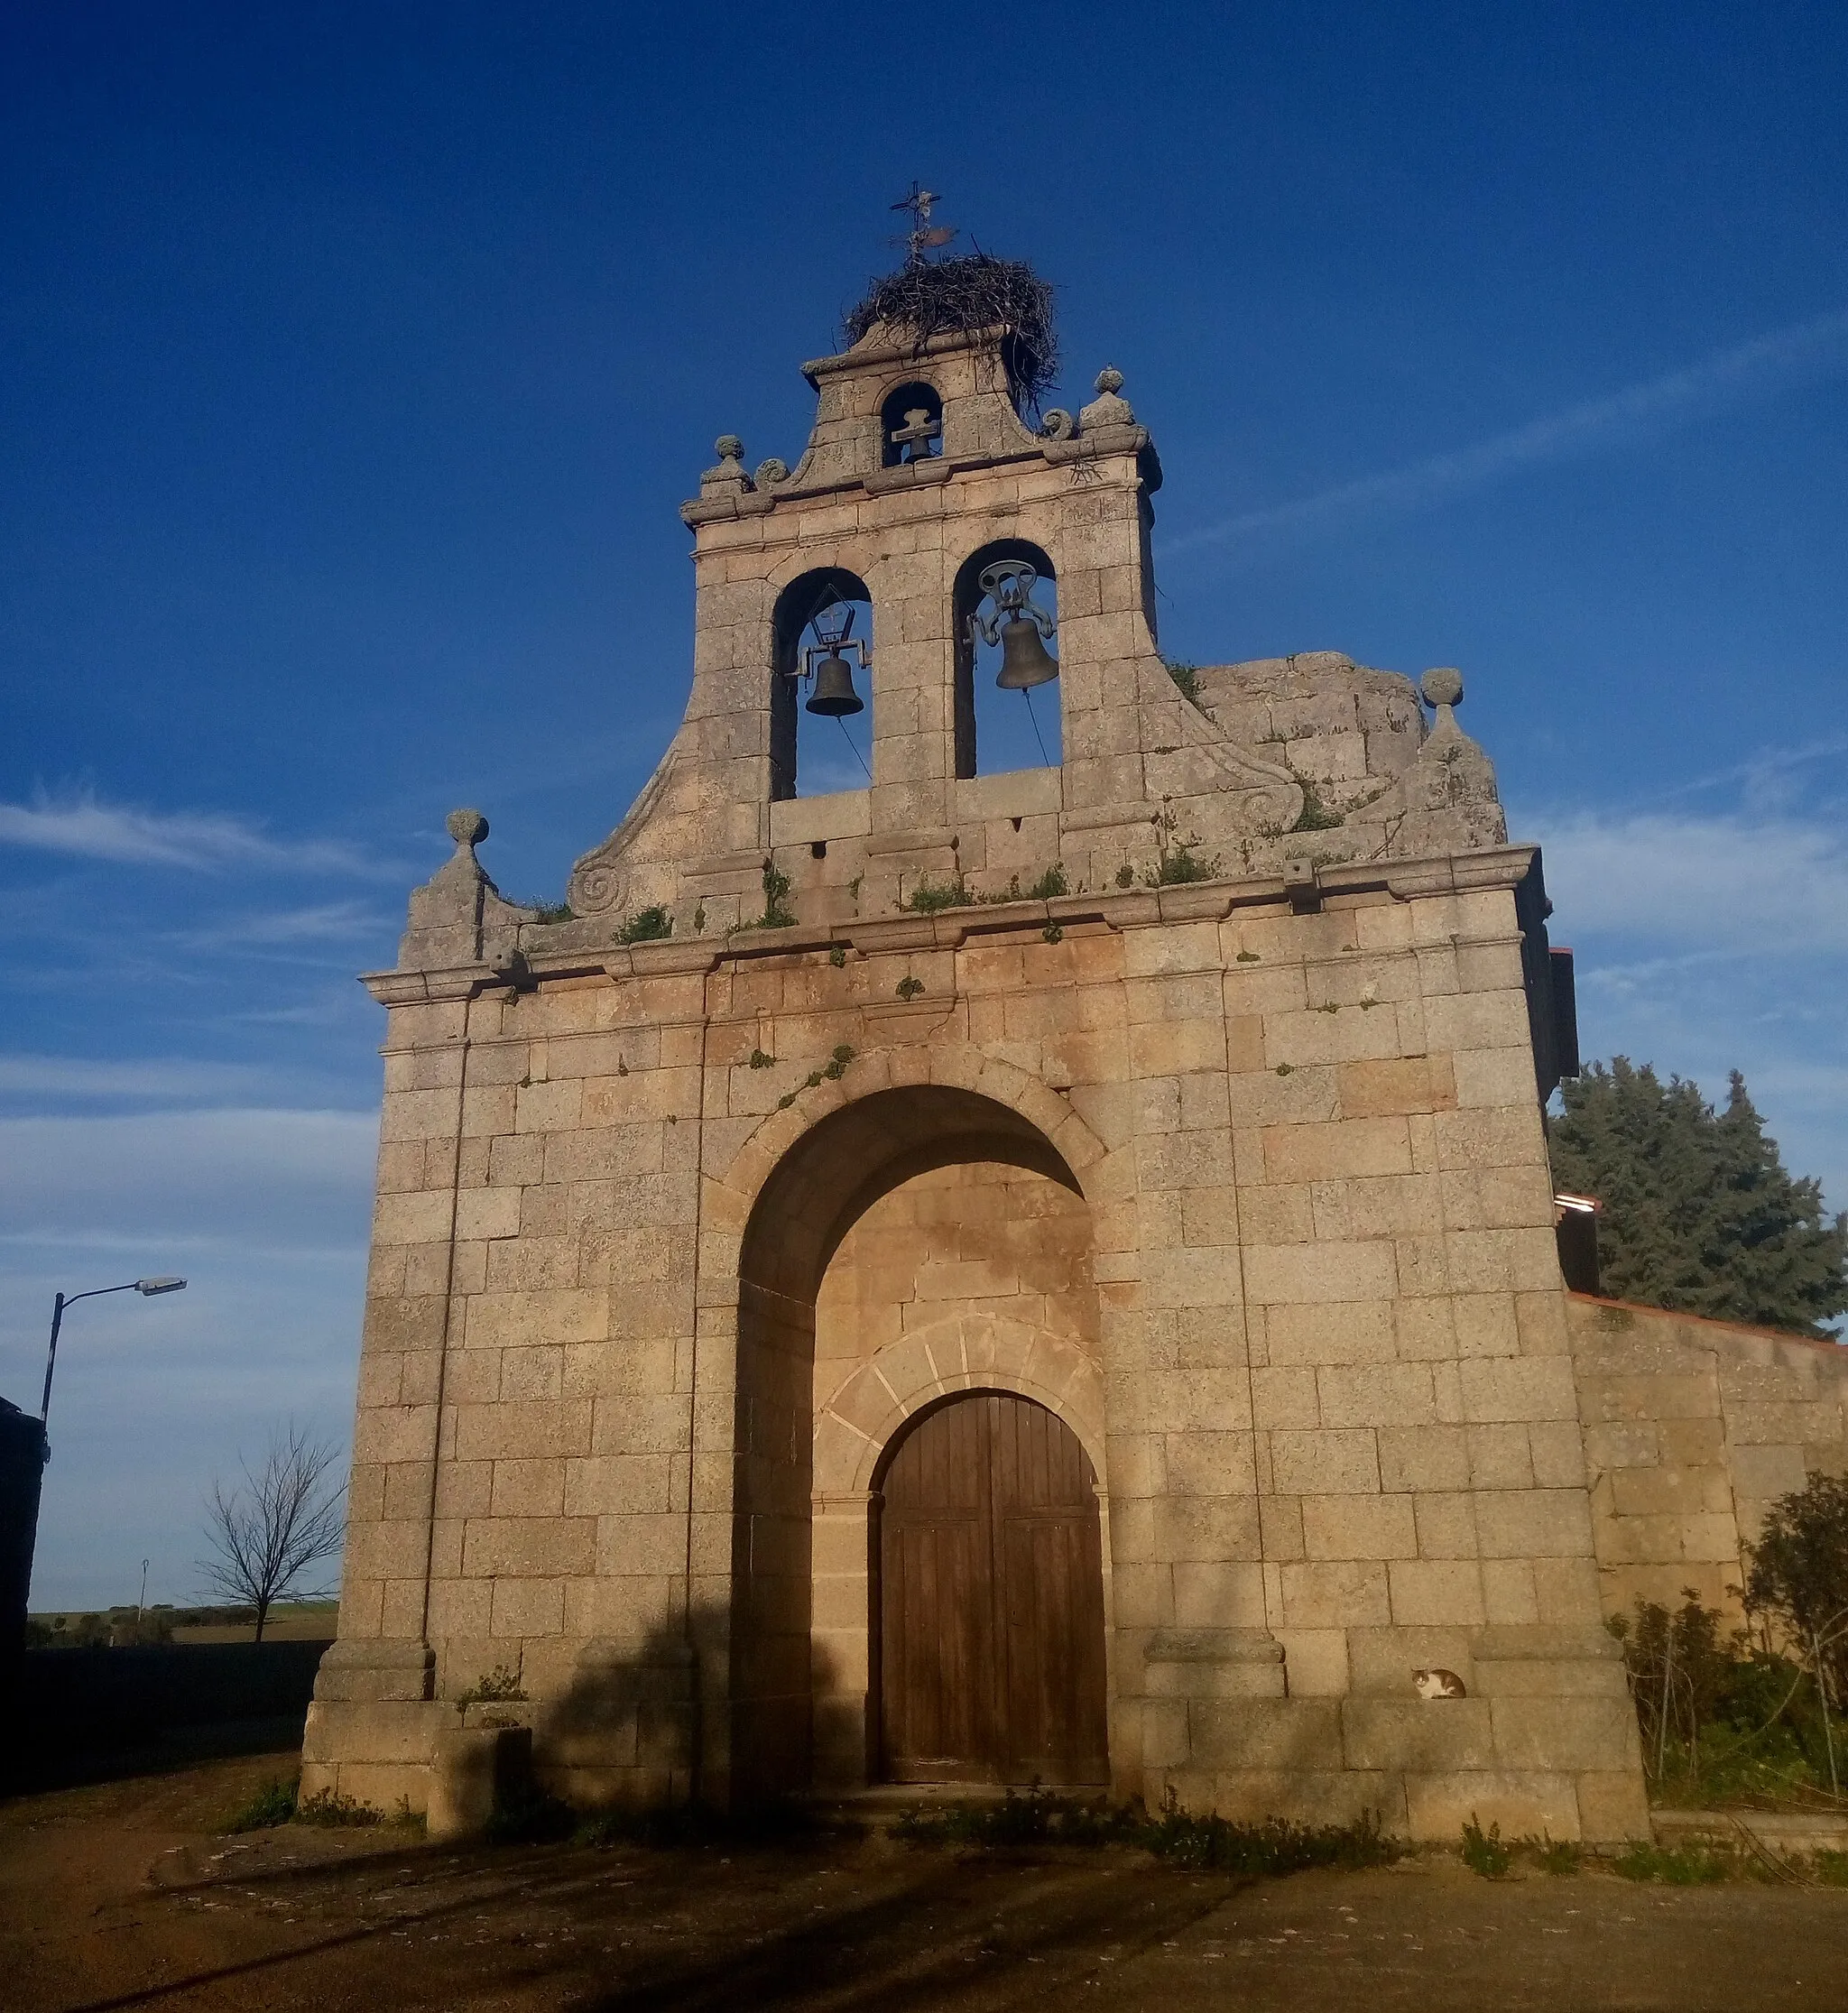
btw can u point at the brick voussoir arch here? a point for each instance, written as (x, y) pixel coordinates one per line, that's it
(961, 1352)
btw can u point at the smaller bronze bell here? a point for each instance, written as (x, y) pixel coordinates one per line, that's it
(833, 691)
(1025, 660)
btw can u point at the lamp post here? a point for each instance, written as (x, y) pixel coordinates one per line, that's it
(25, 1448)
(146, 1287)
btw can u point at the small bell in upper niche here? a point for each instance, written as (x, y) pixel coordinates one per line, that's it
(1017, 624)
(826, 662)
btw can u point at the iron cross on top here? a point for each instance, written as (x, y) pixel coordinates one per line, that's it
(922, 237)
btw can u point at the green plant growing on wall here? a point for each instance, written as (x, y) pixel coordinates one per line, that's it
(909, 988)
(1176, 861)
(1187, 681)
(646, 926)
(1050, 884)
(928, 898)
(1315, 815)
(777, 912)
(500, 1684)
(830, 1072)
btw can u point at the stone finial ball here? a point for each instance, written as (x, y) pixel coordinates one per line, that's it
(1109, 380)
(728, 447)
(1442, 686)
(466, 828)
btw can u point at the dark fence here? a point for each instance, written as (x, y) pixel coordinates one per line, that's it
(79, 1699)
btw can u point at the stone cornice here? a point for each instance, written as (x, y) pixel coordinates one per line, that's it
(1505, 866)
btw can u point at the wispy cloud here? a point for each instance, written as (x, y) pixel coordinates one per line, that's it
(161, 1079)
(1730, 884)
(80, 826)
(1807, 352)
(325, 922)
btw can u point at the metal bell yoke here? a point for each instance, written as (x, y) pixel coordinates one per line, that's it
(826, 663)
(1017, 624)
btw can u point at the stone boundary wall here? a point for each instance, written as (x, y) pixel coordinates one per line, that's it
(1692, 1428)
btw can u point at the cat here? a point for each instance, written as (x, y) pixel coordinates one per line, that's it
(1438, 1684)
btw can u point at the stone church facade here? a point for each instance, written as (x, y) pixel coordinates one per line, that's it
(1040, 1274)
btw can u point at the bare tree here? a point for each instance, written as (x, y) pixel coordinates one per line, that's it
(266, 1534)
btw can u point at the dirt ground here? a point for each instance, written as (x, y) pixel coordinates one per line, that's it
(120, 1894)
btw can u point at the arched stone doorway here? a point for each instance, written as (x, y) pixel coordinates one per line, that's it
(988, 1599)
(806, 1438)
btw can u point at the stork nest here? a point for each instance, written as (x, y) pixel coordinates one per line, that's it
(959, 296)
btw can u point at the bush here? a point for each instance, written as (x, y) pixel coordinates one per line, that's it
(1799, 1581)
(1722, 1721)
(274, 1803)
(1680, 1866)
(1484, 1851)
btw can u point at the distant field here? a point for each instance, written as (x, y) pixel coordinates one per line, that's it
(299, 1621)
(280, 1628)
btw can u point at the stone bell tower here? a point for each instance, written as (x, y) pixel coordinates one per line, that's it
(984, 1276)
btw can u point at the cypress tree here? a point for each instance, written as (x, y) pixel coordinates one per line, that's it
(1700, 1213)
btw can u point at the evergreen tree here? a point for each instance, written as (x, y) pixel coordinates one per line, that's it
(1700, 1214)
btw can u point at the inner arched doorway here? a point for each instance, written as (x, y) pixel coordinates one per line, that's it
(955, 1241)
(988, 1602)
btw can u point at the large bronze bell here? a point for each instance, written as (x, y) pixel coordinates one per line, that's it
(834, 692)
(1025, 660)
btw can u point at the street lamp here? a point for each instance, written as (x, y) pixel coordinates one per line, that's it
(147, 1288)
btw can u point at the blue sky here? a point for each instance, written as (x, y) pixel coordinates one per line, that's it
(355, 358)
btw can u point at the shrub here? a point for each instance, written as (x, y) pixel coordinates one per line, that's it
(1680, 1866)
(1721, 1721)
(1484, 1851)
(273, 1804)
(1799, 1580)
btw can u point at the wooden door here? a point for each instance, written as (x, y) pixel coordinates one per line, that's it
(991, 1600)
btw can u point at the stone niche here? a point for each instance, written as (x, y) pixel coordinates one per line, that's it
(1186, 1092)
